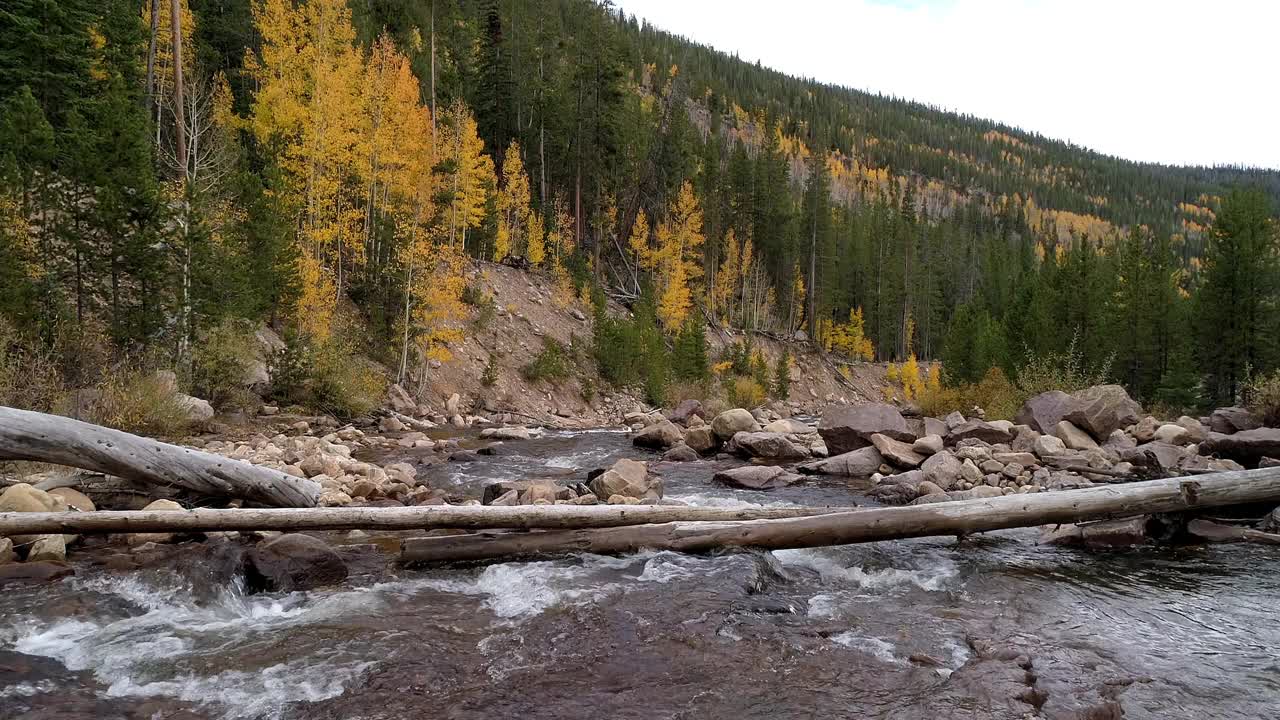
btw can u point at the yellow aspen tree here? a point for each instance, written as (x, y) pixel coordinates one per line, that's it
(639, 243)
(536, 239)
(797, 297)
(725, 290)
(440, 306)
(513, 205)
(679, 259)
(471, 174)
(560, 242)
(912, 385)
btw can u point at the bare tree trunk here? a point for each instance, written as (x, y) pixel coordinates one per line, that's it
(151, 55)
(948, 518)
(26, 435)
(383, 518)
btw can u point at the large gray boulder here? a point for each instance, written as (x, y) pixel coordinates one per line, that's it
(756, 477)
(701, 439)
(660, 435)
(628, 478)
(857, 463)
(731, 422)
(1073, 437)
(897, 452)
(845, 428)
(942, 469)
(1246, 446)
(992, 433)
(1229, 420)
(767, 446)
(681, 413)
(293, 562)
(1044, 411)
(1154, 455)
(1103, 409)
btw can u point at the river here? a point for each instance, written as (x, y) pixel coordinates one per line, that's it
(994, 627)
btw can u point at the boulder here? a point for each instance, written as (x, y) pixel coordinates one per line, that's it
(1125, 532)
(1246, 446)
(7, 553)
(978, 493)
(73, 498)
(390, 424)
(197, 410)
(1119, 441)
(22, 497)
(731, 422)
(1102, 409)
(1145, 430)
(849, 427)
(1196, 432)
(526, 491)
(857, 463)
(686, 410)
(1044, 411)
(680, 453)
(897, 452)
(1047, 446)
(979, 430)
(1268, 462)
(1171, 434)
(33, 572)
(942, 469)
(927, 488)
(453, 405)
(293, 561)
(1229, 420)
(399, 400)
(511, 432)
(934, 426)
(896, 493)
(1073, 437)
(767, 446)
(789, 426)
(658, 436)
(756, 477)
(928, 445)
(1154, 455)
(953, 420)
(629, 478)
(701, 439)
(136, 539)
(1271, 523)
(48, 548)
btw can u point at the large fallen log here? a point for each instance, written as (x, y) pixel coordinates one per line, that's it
(26, 435)
(384, 518)
(947, 518)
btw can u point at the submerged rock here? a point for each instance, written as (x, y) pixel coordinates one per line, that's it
(293, 562)
(28, 572)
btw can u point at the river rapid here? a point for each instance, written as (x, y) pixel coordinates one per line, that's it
(994, 627)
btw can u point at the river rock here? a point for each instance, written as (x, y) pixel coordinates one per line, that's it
(197, 410)
(1044, 411)
(1145, 430)
(757, 477)
(942, 469)
(681, 414)
(988, 432)
(293, 561)
(701, 439)
(1196, 432)
(399, 400)
(1229, 420)
(1073, 437)
(680, 453)
(977, 493)
(629, 478)
(767, 446)
(1125, 532)
(658, 436)
(1271, 523)
(390, 424)
(453, 405)
(73, 498)
(1246, 446)
(22, 497)
(7, 553)
(1047, 446)
(135, 539)
(897, 452)
(927, 488)
(1268, 462)
(1172, 434)
(857, 463)
(333, 498)
(928, 445)
(48, 548)
(934, 426)
(789, 426)
(898, 489)
(1101, 409)
(510, 432)
(731, 422)
(845, 428)
(1154, 455)
(33, 572)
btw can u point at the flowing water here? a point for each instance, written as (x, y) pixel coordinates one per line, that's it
(996, 627)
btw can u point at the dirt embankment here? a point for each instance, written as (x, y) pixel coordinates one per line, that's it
(526, 310)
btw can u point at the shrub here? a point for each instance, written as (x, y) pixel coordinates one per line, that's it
(485, 312)
(474, 296)
(1066, 371)
(678, 392)
(782, 376)
(343, 383)
(551, 363)
(1262, 396)
(689, 356)
(999, 398)
(221, 362)
(291, 370)
(29, 374)
(140, 401)
(489, 377)
(744, 392)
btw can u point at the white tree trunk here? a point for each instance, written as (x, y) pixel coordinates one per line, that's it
(26, 435)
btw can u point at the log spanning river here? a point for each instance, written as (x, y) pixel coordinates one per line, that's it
(995, 627)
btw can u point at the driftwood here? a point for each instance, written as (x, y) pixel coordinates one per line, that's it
(384, 518)
(26, 435)
(947, 518)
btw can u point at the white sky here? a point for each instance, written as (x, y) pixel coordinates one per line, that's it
(1171, 81)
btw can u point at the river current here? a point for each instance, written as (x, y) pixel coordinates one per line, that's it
(996, 626)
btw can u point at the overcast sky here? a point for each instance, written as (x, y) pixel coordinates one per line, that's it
(1172, 81)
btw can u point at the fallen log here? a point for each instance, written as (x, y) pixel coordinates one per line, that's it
(383, 518)
(961, 518)
(26, 435)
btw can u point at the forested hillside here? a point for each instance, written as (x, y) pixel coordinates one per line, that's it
(334, 168)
